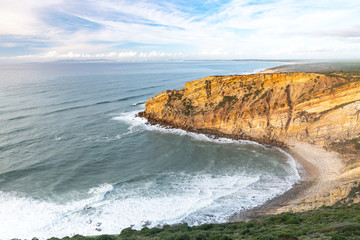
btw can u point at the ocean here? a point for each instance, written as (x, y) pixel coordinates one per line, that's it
(75, 159)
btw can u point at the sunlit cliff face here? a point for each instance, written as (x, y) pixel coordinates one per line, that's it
(269, 108)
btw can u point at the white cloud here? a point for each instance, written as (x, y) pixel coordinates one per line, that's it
(22, 17)
(116, 56)
(127, 54)
(278, 29)
(8, 44)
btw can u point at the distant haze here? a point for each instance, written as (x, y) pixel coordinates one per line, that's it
(149, 30)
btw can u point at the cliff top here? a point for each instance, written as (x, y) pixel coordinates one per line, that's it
(319, 67)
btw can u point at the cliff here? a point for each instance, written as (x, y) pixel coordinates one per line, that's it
(282, 109)
(276, 109)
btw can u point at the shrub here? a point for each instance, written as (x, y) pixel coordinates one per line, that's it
(127, 232)
(182, 236)
(200, 236)
(105, 237)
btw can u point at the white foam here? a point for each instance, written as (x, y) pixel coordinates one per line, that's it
(195, 199)
(23, 217)
(134, 121)
(103, 188)
(131, 119)
(141, 103)
(294, 177)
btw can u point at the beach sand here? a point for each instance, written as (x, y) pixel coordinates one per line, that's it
(319, 170)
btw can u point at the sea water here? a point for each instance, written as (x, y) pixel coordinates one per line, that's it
(74, 158)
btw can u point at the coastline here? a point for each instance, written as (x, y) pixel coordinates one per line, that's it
(322, 171)
(318, 168)
(319, 171)
(327, 178)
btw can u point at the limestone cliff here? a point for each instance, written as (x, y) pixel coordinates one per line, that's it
(270, 108)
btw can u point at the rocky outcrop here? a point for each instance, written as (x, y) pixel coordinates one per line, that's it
(277, 109)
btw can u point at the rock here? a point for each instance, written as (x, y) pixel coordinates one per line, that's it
(273, 109)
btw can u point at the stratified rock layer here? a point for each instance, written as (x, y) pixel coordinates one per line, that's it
(268, 108)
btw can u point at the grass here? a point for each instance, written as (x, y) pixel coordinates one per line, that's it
(338, 222)
(322, 67)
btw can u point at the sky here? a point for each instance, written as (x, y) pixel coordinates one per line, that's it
(145, 30)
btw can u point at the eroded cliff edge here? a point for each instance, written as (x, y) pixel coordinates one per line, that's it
(277, 109)
(269, 108)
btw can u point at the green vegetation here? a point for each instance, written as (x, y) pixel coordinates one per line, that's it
(188, 107)
(173, 95)
(258, 91)
(321, 67)
(338, 222)
(331, 109)
(227, 100)
(344, 83)
(351, 146)
(261, 97)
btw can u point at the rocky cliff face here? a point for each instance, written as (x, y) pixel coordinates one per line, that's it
(269, 108)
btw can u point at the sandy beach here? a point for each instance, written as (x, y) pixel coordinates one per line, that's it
(323, 169)
(319, 170)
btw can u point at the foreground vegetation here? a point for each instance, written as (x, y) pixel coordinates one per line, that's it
(337, 222)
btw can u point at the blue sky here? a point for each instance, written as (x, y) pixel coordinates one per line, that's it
(142, 30)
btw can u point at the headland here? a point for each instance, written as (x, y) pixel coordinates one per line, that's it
(314, 116)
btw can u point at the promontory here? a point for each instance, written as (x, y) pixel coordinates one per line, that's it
(308, 113)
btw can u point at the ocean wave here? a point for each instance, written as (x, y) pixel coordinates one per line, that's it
(94, 104)
(135, 121)
(26, 217)
(109, 208)
(141, 103)
(16, 131)
(153, 200)
(144, 88)
(19, 117)
(295, 166)
(103, 188)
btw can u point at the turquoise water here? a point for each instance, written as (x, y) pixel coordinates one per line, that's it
(74, 159)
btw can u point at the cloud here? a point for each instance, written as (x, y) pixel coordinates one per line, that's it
(8, 44)
(350, 32)
(116, 56)
(162, 29)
